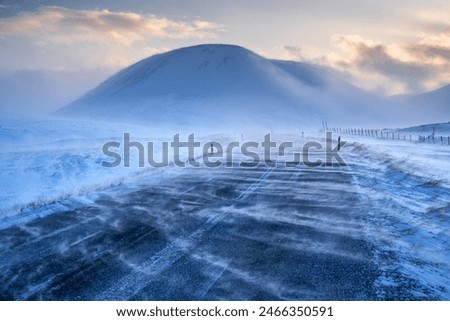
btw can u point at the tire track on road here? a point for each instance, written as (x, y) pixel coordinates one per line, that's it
(134, 282)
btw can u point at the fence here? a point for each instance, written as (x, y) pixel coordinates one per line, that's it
(383, 134)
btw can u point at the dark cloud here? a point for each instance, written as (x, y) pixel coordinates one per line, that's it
(294, 52)
(378, 59)
(429, 51)
(413, 72)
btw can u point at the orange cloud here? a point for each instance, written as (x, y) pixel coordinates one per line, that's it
(62, 38)
(64, 25)
(396, 67)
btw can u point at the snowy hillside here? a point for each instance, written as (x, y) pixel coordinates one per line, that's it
(432, 106)
(440, 129)
(436, 102)
(224, 85)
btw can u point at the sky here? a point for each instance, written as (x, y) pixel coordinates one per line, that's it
(387, 47)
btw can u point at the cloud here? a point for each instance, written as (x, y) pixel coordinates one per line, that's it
(379, 59)
(62, 24)
(429, 52)
(294, 52)
(118, 37)
(396, 67)
(397, 56)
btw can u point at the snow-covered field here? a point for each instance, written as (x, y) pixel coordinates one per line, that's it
(406, 188)
(427, 160)
(44, 160)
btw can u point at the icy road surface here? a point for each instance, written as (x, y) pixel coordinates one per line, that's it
(367, 231)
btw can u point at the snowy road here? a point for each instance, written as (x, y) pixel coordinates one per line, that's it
(327, 233)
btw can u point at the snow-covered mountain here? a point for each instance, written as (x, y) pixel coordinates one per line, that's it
(226, 85)
(436, 102)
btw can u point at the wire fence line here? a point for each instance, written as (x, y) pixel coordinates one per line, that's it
(389, 134)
